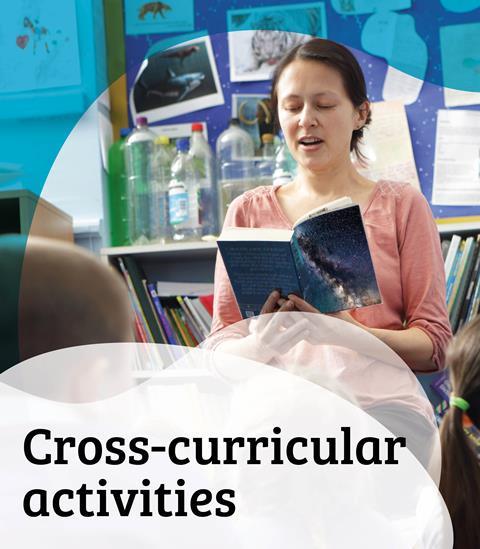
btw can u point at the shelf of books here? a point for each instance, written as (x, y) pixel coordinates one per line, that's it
(460, 240)
(171, 290)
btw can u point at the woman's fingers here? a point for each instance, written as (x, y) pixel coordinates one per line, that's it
(301, 304)
(271, 302)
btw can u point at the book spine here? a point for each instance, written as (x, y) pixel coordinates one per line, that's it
(192, 340)
(176, 326)
(135, 302)
(203, 312)
(452, 251)
(473, 310)
(136, 277)
(463, 286)
(459, 275)
(190, 303)
(152, 308)
(471, 284)
(190, 320)
(171, 337)
(453, 272)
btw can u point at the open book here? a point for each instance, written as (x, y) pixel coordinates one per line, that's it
(325, 259)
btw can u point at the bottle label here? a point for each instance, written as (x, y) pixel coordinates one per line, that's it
(178, 208)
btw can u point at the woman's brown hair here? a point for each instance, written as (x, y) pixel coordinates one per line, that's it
(460, 480)
(339, 58)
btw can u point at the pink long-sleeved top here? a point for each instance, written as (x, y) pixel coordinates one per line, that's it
(406, 254)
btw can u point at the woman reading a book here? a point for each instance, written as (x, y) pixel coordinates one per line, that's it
(319, 97)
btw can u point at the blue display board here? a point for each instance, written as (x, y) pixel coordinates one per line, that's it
(347, 29)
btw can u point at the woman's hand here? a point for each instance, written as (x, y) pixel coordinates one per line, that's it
(301, 305)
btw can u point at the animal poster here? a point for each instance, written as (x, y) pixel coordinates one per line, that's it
(258, 38)
(176, 81)
(158, 17)
(39, 45)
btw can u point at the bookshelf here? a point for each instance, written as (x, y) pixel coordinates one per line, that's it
(176, 262)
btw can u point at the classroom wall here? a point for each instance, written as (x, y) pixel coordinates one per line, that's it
(428, 18)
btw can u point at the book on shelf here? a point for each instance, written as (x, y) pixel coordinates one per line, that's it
(325, 259)
(172, 318)
(462, 272)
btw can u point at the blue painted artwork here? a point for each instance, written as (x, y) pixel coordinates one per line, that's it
(361, 7)
(158, 17)
(39, 46)
(393, 36)
(460, 6)
(460, 49)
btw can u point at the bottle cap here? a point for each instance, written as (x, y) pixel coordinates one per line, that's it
(183, 144)
(162, 140)
(124, 132)
(267, 138)
(197, 127)
(141, 121)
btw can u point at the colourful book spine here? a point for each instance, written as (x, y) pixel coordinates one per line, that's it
(459, 275)
(154, 313)
(169, 332)
(191, 322)
(204, 328)
(181, 326)
(135, 302)
(174, 323)
(453, 272)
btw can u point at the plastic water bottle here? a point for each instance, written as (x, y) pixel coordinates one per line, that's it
(139, 148)
(204, 164)
(236, 166)
(267, 166)
(117, 193)
(159, 225)
(285, 165)
(183, 194)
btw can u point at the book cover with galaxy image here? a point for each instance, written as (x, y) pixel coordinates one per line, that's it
(325, 259)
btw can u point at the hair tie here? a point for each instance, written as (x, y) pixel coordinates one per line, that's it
(459, 403)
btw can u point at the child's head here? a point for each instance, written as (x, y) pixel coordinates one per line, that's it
(57, 295)
(460, 481)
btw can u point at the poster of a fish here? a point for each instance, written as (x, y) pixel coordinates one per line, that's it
(176, 80)
(143, 17)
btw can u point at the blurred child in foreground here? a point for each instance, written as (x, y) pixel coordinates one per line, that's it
(460, 481)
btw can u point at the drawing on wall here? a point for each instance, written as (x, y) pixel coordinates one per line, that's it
(175, 81)
(460, 55)
(258, 38)
(361, 7)
(158, 17)
(39, 46)
(254, 113)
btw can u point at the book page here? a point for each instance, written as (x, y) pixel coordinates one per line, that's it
(388, 146)
(456, 176)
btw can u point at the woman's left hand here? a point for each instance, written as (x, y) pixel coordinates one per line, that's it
(302, 305)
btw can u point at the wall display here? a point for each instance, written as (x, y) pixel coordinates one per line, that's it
(456, 179)
(39, 46)
(157, 17)
(414, 30)
(387, 145)
(176, 80)
(394, 37)
(257, 41)
(255, 114)
(400, 86)
(460, 51)
(359, 7)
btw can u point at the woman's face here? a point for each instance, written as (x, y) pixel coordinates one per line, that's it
(316, 115)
